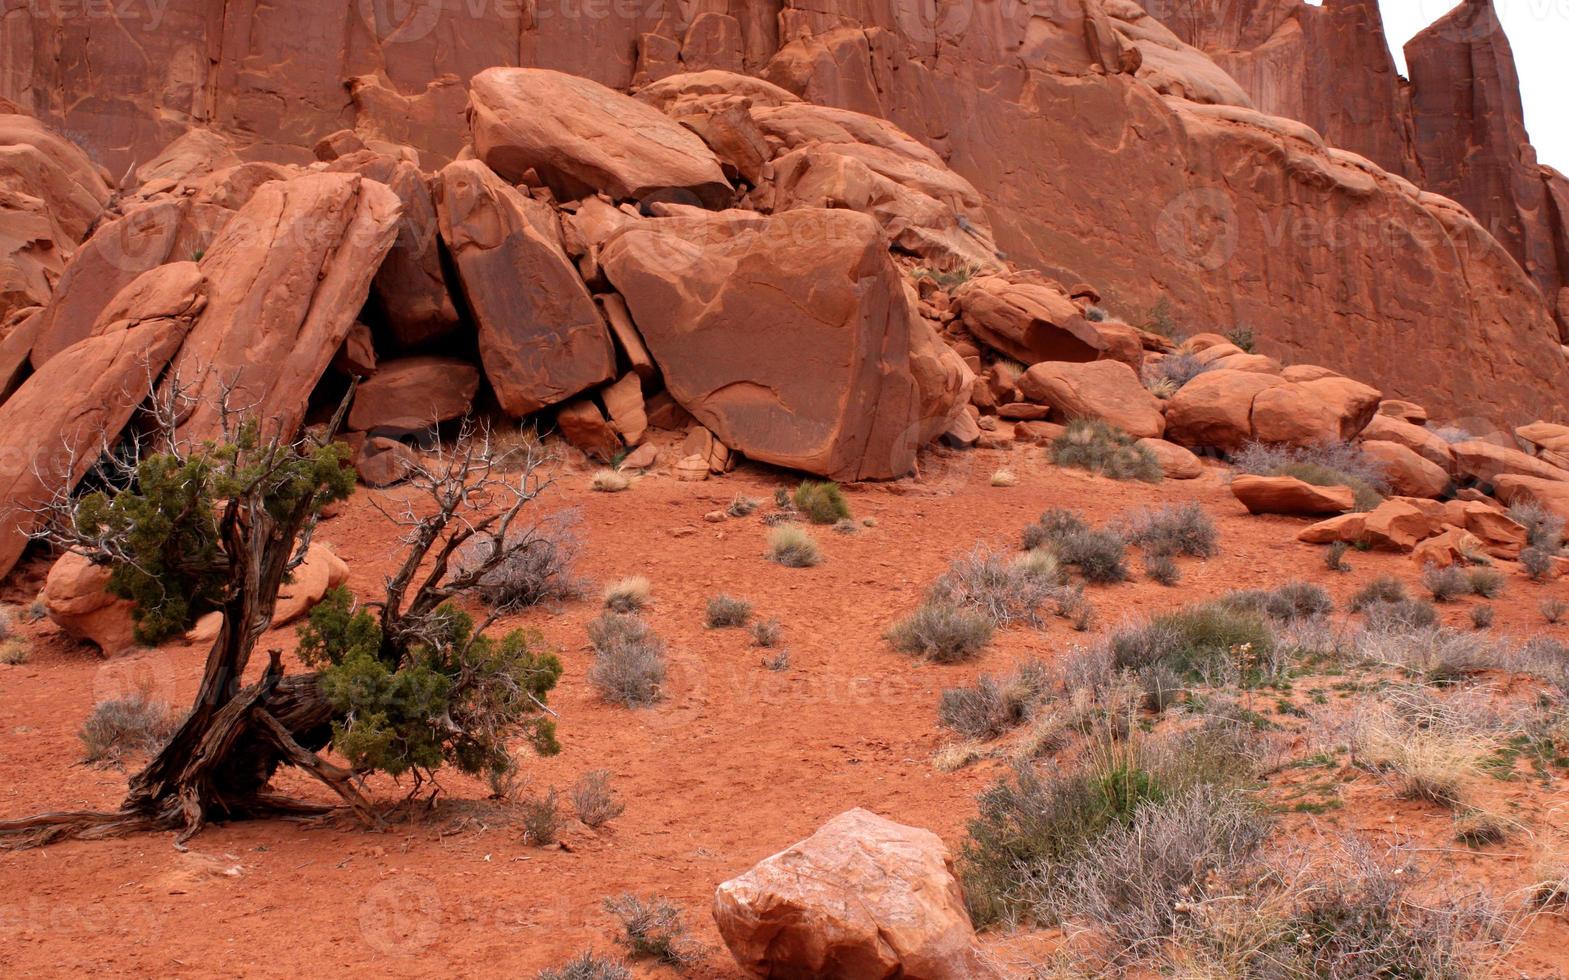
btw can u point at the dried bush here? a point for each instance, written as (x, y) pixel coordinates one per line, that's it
(1385, 588)
(767, 633)
(1543, 528)
(653, 929)
(629, 660)
(821, 503)
(742, 506)
(593, 801)
(1433, 753)
(1004, 478)
(1485, 582)
(792, 546)
(1176, 529)
(1288, 603)
(725, 611)
(539, 565)
(1162, 568)
(997, 585)
(1445, 584)
(993, 705)
(610, 481)
(1053, 526)
(1537, 563)
(1099, 555)
(1482, 617)
(1335, 556)
(587, 966)
(541, 819)
(778, 662)
(1200, 643)
(1402, 616)
(1325, 465)
(1090, 444)
(944, 634)
(14, 651)
(136, 722)
(628, 595)
(1171, 372)
(1553, 610)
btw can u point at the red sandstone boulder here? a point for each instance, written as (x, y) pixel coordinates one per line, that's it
(1346, 527)
(624, 404)
(1029, 320)
(1175, 462)
(1408, 474)
(863, 898)
(583, 425)
(77, 598)
(791, 337)
(1398, 524)
(1215, 409)
(1313, 412)
(1422, 441)
(1552, 495)
(1452, 546)
(414, 393)
(286, 278)
(1403, 410)
(1486, 462)
(383, 462)
(1106, 390)
(541, 337)
(581, 137)
(1288, 495)
(1546, 435)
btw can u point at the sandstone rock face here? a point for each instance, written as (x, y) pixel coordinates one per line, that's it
(541, 337)
(581, 137)
(1031, 321)
(1107, 390)
(414, 393)
(77, 599)
(57, 423)
(1288, 495)
(1485, 462)
(790, 337)
(584, 426)
(1550, 494)
(286, 278)
(862, 898)
(1450, 547)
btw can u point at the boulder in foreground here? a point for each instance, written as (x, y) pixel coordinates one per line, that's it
(1288, 495)
(863, 898)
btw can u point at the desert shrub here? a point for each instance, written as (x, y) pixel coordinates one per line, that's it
(1335, 556)
(1171, 372)
(1090, 444)
(1543, 528)
(846, 526)
(1287, 603)
(1452, 434)
(1325, 465)
(742, 506)
(1162, 568)
(1478, 828)
(540, 565)
(1199, 643)
(1099, 555)
(1094, 314)
(136, 722)
(653, 930)
(726, 611)
(1553, 610)
(1242, 337)
(1400, 616)
(14, 651)
(1176, 529)
(993, 705)
(766, 633)
(587, 966)
(1042, 565)
(1159, 319)
(1485, 582)
(1445, 584)
(1482, 617)
(628, 595)
(610, 481)
(629, 660)
(1537, 563)
(541, 818)
(1053, 526)
(941, 633)
(1433, 748)
(821, 503)
(792, 546)
(593, 801)
(1004, 478)
(1385, 588)
(997, 585)
(778, 662)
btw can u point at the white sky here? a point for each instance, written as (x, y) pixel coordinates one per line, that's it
(1538, 30)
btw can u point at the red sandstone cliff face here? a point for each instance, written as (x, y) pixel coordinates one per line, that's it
(1109, 151)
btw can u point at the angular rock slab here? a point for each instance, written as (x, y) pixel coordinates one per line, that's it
(62, 418)
(77, 598)
(414, 393)
(581, 137)
(1031, 321)
(863, 898)
(1106, 390)
(286, 278)
(790, 337)
(541, 338)
(1288, 495)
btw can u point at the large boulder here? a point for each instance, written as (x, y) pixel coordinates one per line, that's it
(1551, 495)
(1029, 320)
(77, 599)
(57, 424)
(1106, 390)
(1288, 495)
(1313, 412)
(1419, 439)
(579, 137)
(286, 278)
(541, 337)
(1215, 409)
(1407, 473)
(1175, 462)
(1399, 523)
(789, 336)
(414, 393)
(1486, 462)
(863, 898)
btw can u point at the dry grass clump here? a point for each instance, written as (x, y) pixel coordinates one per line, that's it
(628, 595)
(1543, 528)
(1433, 748)
(1485, 582)
(588, 966)
(1331, 464)
(726, 611)
(610, 481)
(137, 722)
(1162, 568)
(1001, 587)
(1099, 555)
(593, 801)
(541, 819)
(1537, 563)
(993, 706)
(1445, 584)
(1288, 603)
(792, 546)
(1335, 556)
(14, 651)
(767, 633)
(821, 503)
(1385, 588)
(1052, 527)
(540, 565)
(1165, 377)
(652, 929)
(1004, 478)
(1481, 617)
(1553, 610)
(941, 633)
(629, 660)
(742, 506)
(1211, 644)
(1090, 444)
(1176, 529)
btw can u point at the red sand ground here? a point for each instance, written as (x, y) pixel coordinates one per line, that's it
(738, 763)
